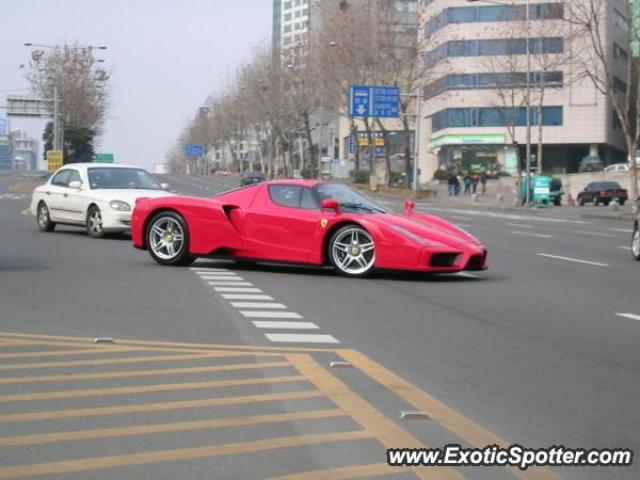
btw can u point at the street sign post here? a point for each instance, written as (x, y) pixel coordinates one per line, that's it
(194, 150)
(103, 158)
(368, 101)
(54, 160)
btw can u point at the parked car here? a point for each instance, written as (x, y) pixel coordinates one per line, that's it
(617, 167)
(591, 164)
(602, 192)
(96, 196)
(249, 178)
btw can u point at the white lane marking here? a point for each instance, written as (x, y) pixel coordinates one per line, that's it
(231, 284)
(519, 225)
(467, 275)
(624, 247)
(506, 216)
(300, 338)
(596, 234)
(258, 305)
(204, 274)
(222, 277)
(202, 269)
(631, 316)
(623, 230)
(576, 260)
(267, 314)
(240, 296)
(286, 325)
(463, 225)
(529, 234)
(237, 289)
(457, 217)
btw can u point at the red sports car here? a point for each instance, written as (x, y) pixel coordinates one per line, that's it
(302, 221)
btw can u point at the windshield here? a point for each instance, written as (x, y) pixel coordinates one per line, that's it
(349, 199)
(122, 178)
(608, 185)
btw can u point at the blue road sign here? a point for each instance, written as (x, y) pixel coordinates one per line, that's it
(203, 111)
(194, 150)
(374, 101)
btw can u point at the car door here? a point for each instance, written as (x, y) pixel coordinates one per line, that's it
(53, 195)
(282, 223)
(75, 199)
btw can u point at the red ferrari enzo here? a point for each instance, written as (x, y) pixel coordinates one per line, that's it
(302, 221)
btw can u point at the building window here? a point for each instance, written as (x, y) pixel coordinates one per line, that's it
(619, 85)
(619, 52)
(493, 117)
(286, 29)
(287, 17)
(619, 21)
(287, 5)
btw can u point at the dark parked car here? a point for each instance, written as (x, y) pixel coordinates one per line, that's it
(249, 178)
(591, 164)
(602, 192)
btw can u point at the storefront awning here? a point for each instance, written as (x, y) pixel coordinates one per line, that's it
(468, 139)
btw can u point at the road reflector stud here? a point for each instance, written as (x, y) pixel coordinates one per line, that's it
(339, 365)
(414, 415)
(104, 340)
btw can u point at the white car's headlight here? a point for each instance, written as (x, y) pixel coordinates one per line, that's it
(120, 206)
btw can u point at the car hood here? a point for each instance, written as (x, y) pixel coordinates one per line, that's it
(126, 195)
(427, 227)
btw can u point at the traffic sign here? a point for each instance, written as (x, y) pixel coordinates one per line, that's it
(203, 111)
(374, 101)
(194, 150)
(103, 158)
(54, 160)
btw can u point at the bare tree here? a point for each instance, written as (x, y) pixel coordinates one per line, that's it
(606, 39)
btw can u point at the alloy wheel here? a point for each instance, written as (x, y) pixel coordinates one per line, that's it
(166, 238)
(352, 251)
(635, 243)
(95, 222)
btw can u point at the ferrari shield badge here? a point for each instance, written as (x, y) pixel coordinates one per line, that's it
(323, 223)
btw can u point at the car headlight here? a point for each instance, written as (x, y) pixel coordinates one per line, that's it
(120, 206)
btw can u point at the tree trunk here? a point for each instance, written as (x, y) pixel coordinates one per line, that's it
(313, 151)
(633, 177)
(387, 153)
(354, 133)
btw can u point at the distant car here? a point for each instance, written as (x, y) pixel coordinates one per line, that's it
(591, 164)
(223, 173)
(617, 167)
(249, 178)
(602, 192)
(96, 196)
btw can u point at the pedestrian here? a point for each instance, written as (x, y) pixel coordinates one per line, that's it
(467, 184)
(451, 184)
(474, 185)
(483, 182)
(459, 183)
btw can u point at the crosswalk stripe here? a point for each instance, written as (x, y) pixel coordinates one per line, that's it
(237, 289)
(631, 316)
(241, 296)
(199, 269)
(257, 305)
(221, 277)
(286, 325)
(231, 284)
(300, 338)
(267, 314)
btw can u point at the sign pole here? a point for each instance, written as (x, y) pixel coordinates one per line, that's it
(416, 144)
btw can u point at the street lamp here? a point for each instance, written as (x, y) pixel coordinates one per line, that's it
(528, 93)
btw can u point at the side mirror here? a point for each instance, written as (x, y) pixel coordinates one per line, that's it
(165, 186)
(409, 206)
(330, 204)
(76, 184)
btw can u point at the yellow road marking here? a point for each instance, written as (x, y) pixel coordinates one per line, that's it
(141, 373)
(438, 411)
(344, 473)
(100, 392)
(85, 464)
(165, 427)
(77, 351)
(157, 407)
(386, 431)
(193, 346)
(117, 361)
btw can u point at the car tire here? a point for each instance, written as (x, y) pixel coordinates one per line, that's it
(635, 243)
(581, 201)
(352, 251)
(94, 223)
(596, 202)
(167, 239)
(557, 202)
(42, 217)
(621, 202)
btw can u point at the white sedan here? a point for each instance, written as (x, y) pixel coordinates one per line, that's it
(99, 197)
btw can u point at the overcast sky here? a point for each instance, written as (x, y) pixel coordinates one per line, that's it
(165, 57)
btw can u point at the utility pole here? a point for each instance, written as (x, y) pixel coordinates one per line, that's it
(528, 89)
(58, 133)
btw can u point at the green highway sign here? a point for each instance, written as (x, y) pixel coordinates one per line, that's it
(103, 158)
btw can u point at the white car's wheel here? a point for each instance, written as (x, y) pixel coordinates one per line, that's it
(94, 223)
(352, 251)
(44, 221)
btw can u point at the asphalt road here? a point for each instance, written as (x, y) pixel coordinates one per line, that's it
(541, 350)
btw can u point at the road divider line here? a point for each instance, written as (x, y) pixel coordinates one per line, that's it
(622, 230)
(267, 314)
(576, 260)
(258, 305)
(230, 283)
(519, 225)
(237, 289)
(300, 338)
(68, 377)
(157, 407)
(286, 325)
(205, 270)
(222, 277)
(38, 439)
(55, 353)
(85, 464)
(140, 389)
(241, 296)
(529, 234)
(625, 247)
(631, 316)
(596, 234)
(345, 473)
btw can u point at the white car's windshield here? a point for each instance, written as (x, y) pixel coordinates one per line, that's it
(122, 178)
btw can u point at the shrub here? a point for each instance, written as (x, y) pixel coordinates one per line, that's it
(440, 175)
(361, 176)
